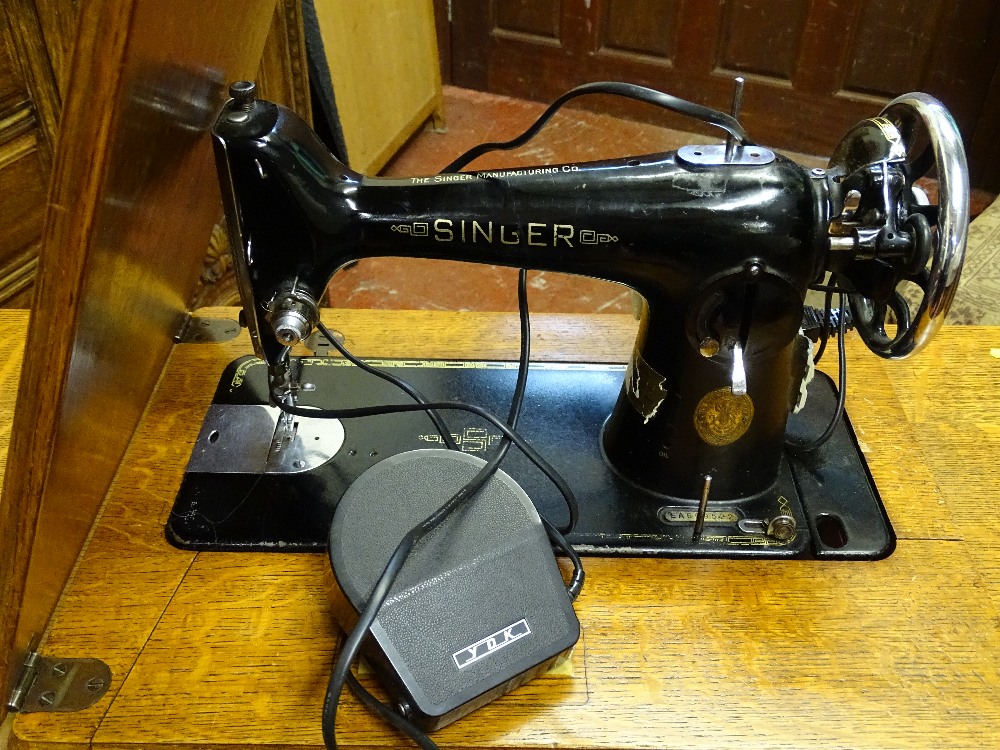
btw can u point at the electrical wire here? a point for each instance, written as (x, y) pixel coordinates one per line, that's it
(627, 90)
(401, 723)
(824, 333)
(408, 389)
(812, 445)
(341, 674)
(834, 288)
(576, 582)
(529, 452)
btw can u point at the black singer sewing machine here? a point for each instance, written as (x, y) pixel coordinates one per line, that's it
(700, 447)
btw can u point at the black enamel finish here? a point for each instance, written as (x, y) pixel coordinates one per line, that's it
(565, 408)
(723, 251)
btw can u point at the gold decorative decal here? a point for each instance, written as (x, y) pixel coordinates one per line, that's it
(722, 418)
(470, 440)
(474, 231)
(743, 540)
(888, 129)
(784, 508)
(241, 372)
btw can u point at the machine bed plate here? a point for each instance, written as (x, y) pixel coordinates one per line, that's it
(241, 493)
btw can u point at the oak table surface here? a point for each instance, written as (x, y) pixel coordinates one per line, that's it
(234, 649)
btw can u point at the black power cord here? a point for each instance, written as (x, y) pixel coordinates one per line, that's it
(812, 445)
(576, 583)
(627, 90)
(351, 646)
(824, 333)
(408, 389)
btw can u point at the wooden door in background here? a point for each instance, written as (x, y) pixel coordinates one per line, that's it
(813, 67)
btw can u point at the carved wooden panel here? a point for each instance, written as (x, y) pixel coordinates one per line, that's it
(29, 105)
(22, 187)
(28, 47)
(37, 38)
(11, 86)
(57, 20)
(283, 76)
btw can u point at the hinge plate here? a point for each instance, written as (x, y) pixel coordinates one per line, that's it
(195, 330)
(49, 683)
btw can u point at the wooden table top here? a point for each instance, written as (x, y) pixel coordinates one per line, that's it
(232, 649)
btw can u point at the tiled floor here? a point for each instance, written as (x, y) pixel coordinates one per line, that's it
(474, 117)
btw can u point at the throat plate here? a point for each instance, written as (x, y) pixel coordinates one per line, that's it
(248, 439)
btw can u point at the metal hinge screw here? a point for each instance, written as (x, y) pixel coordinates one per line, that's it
(47, 684)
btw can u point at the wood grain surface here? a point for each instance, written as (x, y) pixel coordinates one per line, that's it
(229, 650)
(383, 61)
(13, 324)
(124, 234)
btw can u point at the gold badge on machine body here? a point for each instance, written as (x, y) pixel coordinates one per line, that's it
(722, 418)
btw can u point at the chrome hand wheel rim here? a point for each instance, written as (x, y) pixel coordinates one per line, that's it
(929, 131)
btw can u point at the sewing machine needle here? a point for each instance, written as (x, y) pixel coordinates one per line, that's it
(699, 521)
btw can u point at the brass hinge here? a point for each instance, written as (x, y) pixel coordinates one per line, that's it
(194, 330)
(49, 683)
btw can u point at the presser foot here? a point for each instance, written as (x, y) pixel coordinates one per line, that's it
(235, 496)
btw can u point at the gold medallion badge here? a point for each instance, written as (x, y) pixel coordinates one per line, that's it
(722, 418)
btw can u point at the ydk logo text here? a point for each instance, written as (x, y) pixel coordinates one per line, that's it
(491, 644)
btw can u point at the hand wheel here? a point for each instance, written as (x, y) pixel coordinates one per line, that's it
(938, 233)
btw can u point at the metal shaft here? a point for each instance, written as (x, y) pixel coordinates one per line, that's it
(699, 521)
(739, 82)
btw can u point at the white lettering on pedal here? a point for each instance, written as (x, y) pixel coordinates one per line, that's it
(491, 644)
